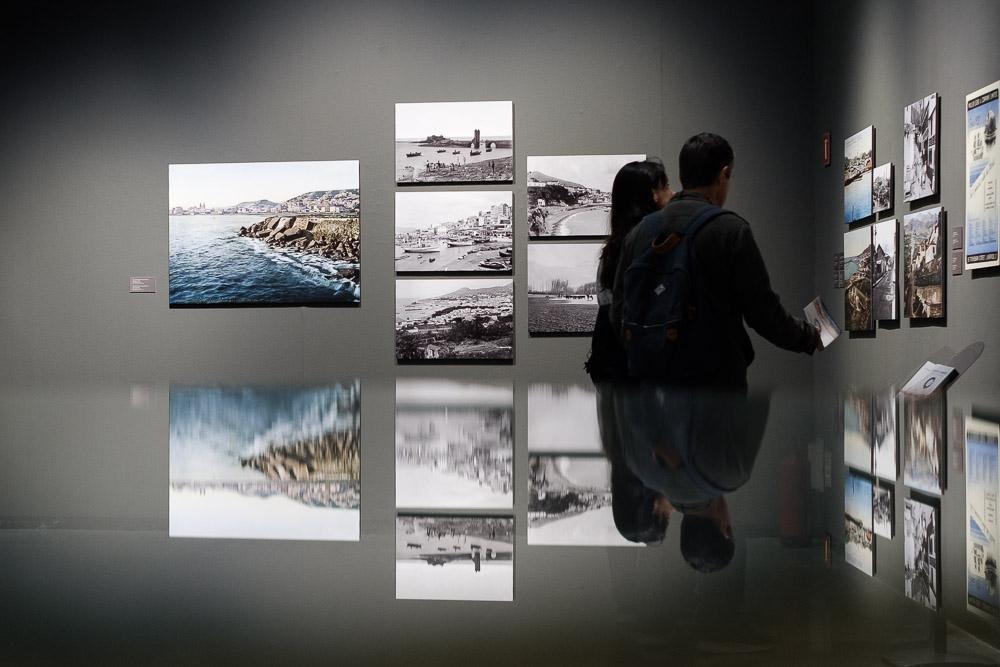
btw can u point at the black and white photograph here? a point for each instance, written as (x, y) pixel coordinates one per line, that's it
(562, 417)
(884, 430)
(858, 430)
(884, 288)
(859, 540)
(920, 148)
(454, 444)
(562, 288)
(858, 315)
(859, 161)
(274, 463)
(924, 443)
(455, 558)
(923, 270)
(883, 510)
(457, 232)
(920, 550)
(264, 233)
(454, 142)
(569, 501)
(455, 319)
(570, 195)
(882, 188)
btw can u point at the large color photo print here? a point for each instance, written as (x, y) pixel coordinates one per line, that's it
(859, 162)
(982, 177)
(265, 233)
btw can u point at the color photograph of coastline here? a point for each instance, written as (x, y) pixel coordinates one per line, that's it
(447, 319)
(459, 232)
(570, 195)
(562, 287)
(281, 463)
(859, 160)
(454, 142)
(264, 233)
(923, 272)
(859, 540)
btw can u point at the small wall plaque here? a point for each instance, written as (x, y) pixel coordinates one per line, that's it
(141, 285)
(957, 238)
(957, 262)
(826, 149)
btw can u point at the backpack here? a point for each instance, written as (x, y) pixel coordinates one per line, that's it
(661, 318)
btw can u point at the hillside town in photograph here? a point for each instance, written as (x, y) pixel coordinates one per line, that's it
(923, 271)
(882, 188)
(858, 280)
(920, 146)
(884, 287)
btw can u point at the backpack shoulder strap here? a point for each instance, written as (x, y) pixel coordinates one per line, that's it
(707, 214)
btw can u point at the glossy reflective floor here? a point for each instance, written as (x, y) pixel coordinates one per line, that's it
(477, 517)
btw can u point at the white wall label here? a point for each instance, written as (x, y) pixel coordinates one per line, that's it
(141, 285)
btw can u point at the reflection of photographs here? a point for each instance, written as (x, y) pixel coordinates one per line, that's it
(885, 434)
(453, 444)
(858, 431)
(925, 443)
(469, 318)
(563, 418)
(454, 558)
(884, 270)
(882, 188)
(882, 510)
(920, 148)
(570, 195)
(263, 463)
(858, 315)
(569, 501)
(562, 287)
(455, 142)
(859, 160)
(920, 548)
(859, 543)
(453, 231)
(923, 268)
(982, 527)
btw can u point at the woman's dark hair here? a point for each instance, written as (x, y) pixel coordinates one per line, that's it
(631, 201)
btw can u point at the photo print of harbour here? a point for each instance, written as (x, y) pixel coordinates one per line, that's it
(455, 142)
(920, 553)
(923, 269)
(569, 501)
(982, 178)
(463, 232)
(924, 443)
(920, 143)
(883, 508)
(859, 160)
(279, 463)
(563, 418)
(882, 188)
(262, 233)
(562, 287)
(454, 444)
(884, 286)
(448, 319)
(981, 523)
(858, 314)
(885, 429)
(570, 195)
(859, 540)
(454, 558)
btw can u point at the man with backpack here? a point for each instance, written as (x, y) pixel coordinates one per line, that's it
(688, 277)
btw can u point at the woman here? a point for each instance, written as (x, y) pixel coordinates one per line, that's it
(640, 188)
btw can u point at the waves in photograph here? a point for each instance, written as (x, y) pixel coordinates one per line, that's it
(265, 463)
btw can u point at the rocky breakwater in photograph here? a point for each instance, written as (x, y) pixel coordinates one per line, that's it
(336, 238)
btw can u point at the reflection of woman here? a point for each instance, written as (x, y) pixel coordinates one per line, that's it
(639, 188)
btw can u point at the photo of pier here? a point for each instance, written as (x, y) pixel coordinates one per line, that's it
(859, 161)
(570, 195)
(454, 232)
(454, 142)
(562, 287)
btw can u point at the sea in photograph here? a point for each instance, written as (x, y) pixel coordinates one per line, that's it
(583, 222)
(858, 198)
(449, 156)
(456, 258)
(211, 264)
(554, 314)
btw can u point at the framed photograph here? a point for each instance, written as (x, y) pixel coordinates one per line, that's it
(265, 233)
(454, 142)
(859, 541)
(272, 463)
(859, 161)
(454, 232)
(921, 572)
(882, 188)
(920, 148)
(858, 265)
(884, 289)
(455, 558)
(858, 431)
(982, 178)
(923, 268)
(454, 444)
(981, 523)
(883, 510)
(570, 195)
(925, 443)
(562, 288)
(455, 319)
(563, 418)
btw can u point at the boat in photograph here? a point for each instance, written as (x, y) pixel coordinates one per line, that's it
(475, 152)
(414, 154)
(493, 264)
(458, 243)
(422, 248)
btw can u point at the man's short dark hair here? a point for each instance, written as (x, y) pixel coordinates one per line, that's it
(703, 545)
(702, 158)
